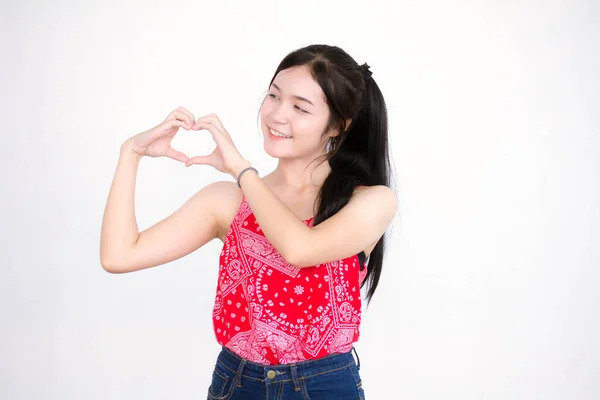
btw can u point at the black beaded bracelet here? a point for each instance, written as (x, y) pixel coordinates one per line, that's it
(240, 175)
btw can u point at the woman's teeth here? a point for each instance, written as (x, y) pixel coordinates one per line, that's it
(281, 135)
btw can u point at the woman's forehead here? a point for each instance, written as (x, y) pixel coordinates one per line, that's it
(298, 81)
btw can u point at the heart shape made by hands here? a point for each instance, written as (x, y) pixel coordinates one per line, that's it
(193, 143)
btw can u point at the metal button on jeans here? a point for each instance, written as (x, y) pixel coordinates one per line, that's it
(271, 374)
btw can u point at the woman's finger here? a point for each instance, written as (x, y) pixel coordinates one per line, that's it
(182, 116)
(217, 133)
(176, 155)
(177, 122)
(190, 117)
(198, 160)
(213, 119)
(215, 130)
(219, 136)
(179, 116)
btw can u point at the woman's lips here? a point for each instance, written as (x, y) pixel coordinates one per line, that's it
(276, 134)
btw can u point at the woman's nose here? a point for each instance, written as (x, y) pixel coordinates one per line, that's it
(279, 114)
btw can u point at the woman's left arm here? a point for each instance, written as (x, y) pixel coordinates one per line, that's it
(359, 224)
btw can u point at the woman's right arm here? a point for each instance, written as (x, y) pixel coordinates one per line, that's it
(202, 218)
(124, 249)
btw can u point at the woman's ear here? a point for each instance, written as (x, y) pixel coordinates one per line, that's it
(348, 122)
(335, 133)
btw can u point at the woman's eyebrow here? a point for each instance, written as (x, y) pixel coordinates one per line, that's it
(295, 96)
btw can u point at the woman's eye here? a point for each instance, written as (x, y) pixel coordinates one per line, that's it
(274, 97)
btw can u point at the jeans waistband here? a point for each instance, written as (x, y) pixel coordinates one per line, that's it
(284, 372)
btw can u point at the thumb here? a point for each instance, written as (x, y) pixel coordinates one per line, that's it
(176, 155)
(198, 160)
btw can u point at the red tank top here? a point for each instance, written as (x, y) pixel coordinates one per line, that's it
(271, 312)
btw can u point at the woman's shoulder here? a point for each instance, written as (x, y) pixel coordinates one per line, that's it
(376, 197)
(376, 190)
(227, 198)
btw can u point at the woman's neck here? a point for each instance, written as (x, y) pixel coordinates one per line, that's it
(299, 177)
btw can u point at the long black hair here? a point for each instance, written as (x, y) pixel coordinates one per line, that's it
(359, 154)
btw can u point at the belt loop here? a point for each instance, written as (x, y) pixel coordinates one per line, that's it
(357, 359)
(238, 376)
(297, 386)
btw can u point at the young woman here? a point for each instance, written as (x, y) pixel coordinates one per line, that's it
(295, 242)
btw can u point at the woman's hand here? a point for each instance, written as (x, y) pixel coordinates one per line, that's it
(156, 142)
(226, 157)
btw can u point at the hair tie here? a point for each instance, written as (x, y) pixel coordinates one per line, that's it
(366, 71)
(241, 173)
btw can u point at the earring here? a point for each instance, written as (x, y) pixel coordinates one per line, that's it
(329, 147)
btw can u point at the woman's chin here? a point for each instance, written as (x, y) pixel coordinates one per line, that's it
(275, 153)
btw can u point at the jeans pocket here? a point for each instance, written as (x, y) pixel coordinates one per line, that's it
(221, 385)
(339, 383)
(358, 380)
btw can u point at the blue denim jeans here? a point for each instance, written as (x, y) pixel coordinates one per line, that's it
(327, 378)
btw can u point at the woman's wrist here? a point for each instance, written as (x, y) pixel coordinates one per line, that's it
(239, 167)
(239, 178)
(127, 151)
(242, 168)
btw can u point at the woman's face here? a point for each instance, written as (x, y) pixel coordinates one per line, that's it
(294, 107)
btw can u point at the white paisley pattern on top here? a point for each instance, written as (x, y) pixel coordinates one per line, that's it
(271, 312)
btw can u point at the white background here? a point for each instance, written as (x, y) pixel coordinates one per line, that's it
(490, 286)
